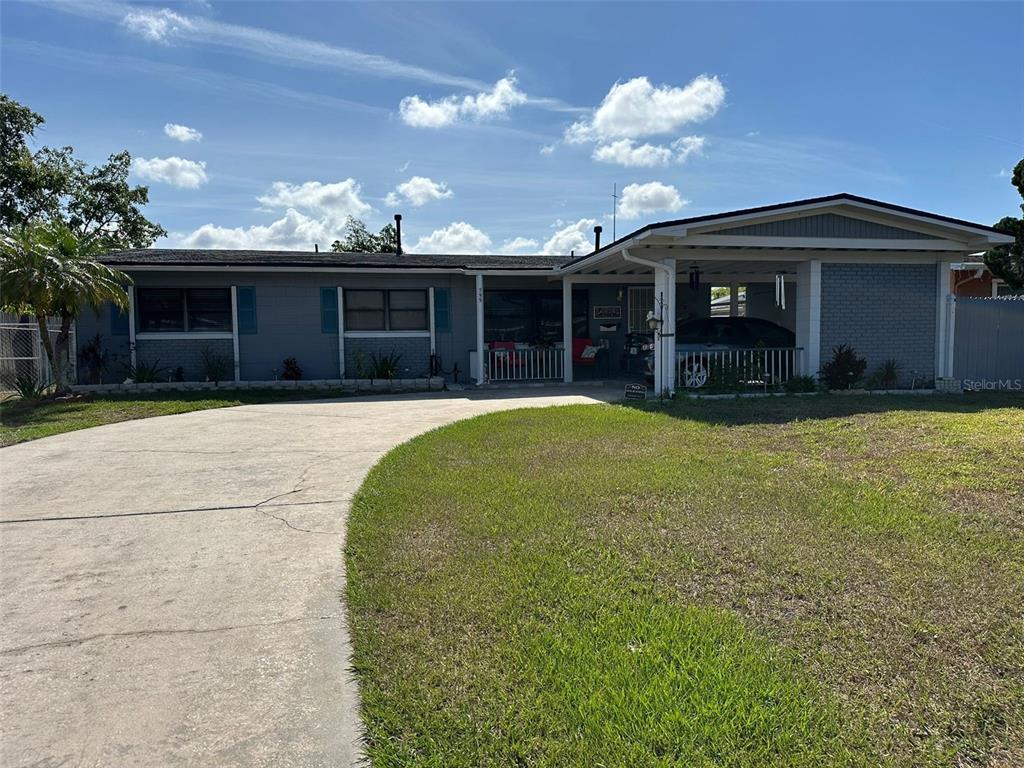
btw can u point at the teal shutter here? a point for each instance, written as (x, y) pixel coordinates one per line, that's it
(328, 310)
(442, 321)
(246, 309)
(118, 321)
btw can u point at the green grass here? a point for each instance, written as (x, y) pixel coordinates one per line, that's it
(824, 581)
(21, 421)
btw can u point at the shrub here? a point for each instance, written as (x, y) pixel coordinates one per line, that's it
(385, 366)
(212, 366)
(292, 371)
(800, 384)
(844, 369)
(29, 389)
(144, 373)
(888, 373)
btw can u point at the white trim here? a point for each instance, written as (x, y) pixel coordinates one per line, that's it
(942, 317)
(478, 374)
(341, 332)
(430, 321)
(670, 367)
(526, 272)
(131, 326)
(384, 334)
(808, 317)
(567, 330)
(184, 335)
(841, 243)
(234, 333)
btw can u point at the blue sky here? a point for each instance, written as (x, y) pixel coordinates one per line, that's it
(502, 127)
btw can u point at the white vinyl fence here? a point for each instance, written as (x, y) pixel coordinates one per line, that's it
(755, 367)
(22, 355)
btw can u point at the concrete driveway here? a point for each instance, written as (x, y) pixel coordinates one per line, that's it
(171, 587)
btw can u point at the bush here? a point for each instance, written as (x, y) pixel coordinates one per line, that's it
(291, 372)
(798, 384)
(888, 373)
(29, 389)
(94, 360)
(213, 367)
(385, 366)
(844, 369)
(145, 373)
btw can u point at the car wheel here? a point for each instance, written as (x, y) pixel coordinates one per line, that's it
(695, 375)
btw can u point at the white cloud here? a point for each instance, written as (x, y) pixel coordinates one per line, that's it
(519, 245)
(627, 153)
(484, 105)
(182, 132)
(418, 191)
(636, 108)
(293, 231)
(188, 174)
(547, 149)
(575, 237)
(457, 237)
(686, 146)
(156, 26)
(1003, 174)
(644, 199)
(332, 202)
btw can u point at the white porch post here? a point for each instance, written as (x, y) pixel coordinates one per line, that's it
(734, 299)
(478, 374)
(131, 327)
(943, 331)
(567, 330)
(668, 328)
(234, 332)
(808, 315)
(660, 291)
(341, 332)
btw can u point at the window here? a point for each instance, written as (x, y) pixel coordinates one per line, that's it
(442, 320)
(246, 310)
(407, 311)
(532, 317)
(328, 310)
(179, 309)
(378, 310)
(641, 301)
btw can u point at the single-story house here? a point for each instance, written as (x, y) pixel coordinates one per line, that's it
(840, 269)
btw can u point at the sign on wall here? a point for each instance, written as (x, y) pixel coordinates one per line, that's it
(608, 312)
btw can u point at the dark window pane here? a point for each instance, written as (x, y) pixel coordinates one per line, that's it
(408, 310)
(209, 309)
(161, 309)
(364, 311)
(442, 321)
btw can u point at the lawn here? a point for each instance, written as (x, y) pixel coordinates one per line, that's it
(21, 421)
(825, 581)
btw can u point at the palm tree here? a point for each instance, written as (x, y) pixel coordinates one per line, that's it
(47, 271)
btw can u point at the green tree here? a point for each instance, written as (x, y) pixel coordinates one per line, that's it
(1007, 261)
(359, 239)
(46, 270)
(96, 204)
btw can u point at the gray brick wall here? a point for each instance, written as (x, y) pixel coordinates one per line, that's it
(414, 351)
(884, 311)
(187, 353)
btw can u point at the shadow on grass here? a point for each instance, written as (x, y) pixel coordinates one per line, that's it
(780, 410)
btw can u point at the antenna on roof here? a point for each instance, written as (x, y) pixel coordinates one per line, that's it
(615, 205)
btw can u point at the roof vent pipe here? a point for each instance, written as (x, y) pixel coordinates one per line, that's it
(398, 234)
(597, 237)
(316, 247)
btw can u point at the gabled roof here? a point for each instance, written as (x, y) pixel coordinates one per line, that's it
(201, 257)
(842, 197)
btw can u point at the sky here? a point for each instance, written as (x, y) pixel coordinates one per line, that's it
(504, 127)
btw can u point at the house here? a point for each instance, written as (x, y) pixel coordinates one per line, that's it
(836, 270)
(972, 279)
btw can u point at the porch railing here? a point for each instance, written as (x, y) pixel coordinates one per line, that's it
(759, 367)
(528, 364)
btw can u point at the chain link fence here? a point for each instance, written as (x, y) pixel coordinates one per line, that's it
(23, 356)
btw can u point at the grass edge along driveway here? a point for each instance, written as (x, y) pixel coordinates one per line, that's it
(737, 583)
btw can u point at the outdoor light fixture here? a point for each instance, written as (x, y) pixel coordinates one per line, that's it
(694, 277)
(653, 321)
